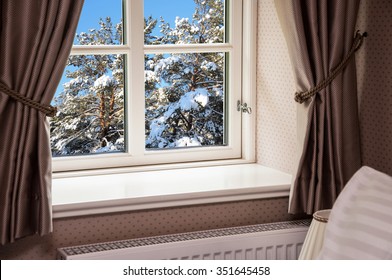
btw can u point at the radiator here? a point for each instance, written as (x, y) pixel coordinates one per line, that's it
(273, 241)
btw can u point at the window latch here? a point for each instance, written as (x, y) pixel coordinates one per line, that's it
(243, 107)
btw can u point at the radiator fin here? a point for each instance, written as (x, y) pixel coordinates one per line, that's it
(226, 243)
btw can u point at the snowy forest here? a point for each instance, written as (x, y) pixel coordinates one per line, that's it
(184, 92)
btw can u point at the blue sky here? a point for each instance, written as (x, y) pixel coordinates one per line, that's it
(93, 10)
(168, 9)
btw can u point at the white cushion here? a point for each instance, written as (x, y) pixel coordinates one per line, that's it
(360, 223)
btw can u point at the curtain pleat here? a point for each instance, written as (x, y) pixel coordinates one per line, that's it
(319, 34)
(35, 40)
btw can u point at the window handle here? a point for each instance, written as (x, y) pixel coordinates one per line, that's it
(243, 107)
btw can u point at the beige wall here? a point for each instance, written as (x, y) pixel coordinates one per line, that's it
(276, 114)
(275, 143)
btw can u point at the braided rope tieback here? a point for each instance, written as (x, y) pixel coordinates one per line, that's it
(301, 97)
(48, 110)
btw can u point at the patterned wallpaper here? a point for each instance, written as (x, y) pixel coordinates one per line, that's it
(276, 113)
(374, 70)
(276, 138)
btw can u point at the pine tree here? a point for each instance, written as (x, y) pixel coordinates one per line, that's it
(91, 105)
(183, 92)
(185, 106)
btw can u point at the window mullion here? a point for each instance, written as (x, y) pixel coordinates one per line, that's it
(191, 48)
(99, 49)
(135, 78)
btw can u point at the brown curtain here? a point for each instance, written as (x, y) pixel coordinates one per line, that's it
(319, 34)
(35, 41)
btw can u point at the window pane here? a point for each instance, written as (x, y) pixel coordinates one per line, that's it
(100, 23)
(184, 21)
(185, 100)
(90, 103)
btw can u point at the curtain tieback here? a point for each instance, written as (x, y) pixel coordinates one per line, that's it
(48, 110)
(301, 97)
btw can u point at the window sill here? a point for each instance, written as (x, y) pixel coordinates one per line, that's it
(99, 194)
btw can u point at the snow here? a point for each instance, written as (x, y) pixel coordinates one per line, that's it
(218, 92)
(187, 142)
(157, 127)
(194, 99)
(171, 109)
(209, 66)
(104, 81)
(108, 148)
(180, 22)
(72, 83)
(201, 96)
(150, 64)
(194, 29)
(165, 64)
(71, 126)
(187, 70)
(150, 77)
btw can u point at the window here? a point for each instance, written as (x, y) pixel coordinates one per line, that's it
(152, 82)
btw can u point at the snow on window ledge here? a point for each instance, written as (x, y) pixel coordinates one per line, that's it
(100, 194)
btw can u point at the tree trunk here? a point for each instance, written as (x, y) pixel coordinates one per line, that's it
(102, 121)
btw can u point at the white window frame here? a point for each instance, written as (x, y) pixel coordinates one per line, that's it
(241, 78)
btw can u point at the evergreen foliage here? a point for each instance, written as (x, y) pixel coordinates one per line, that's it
(184, 92)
